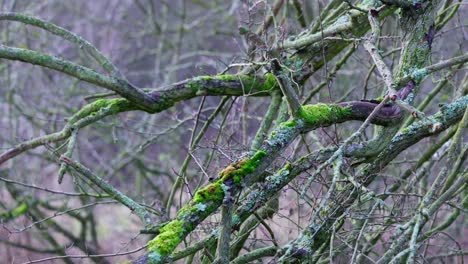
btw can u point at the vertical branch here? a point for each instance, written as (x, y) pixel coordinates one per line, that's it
(370, 45)
(285, 85)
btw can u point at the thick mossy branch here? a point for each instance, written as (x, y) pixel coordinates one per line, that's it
(111, 106)
(246, 171)
(248, 83)
(204, 202)
(323, 114)
(155, 101)
(220, 85)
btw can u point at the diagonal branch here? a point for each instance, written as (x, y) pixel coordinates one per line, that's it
(284, 82)
(139, 210)
(371, 47)
(120, 86)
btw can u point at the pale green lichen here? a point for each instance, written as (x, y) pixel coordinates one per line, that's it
(368, 4)
(169, 237)
(235, 219)
(154, 258)
(280, 176)
(319, 114)
(283, 133)
(417, 74)
(201, 207)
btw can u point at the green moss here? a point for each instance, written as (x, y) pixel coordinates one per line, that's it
(19, 210)
(114, 106)
(258, 156)
(319, 114)
(379, 99)
(249, 82)
(290, 123)
(243, 167)
(212, 192)
(404, 130)
(167, 240)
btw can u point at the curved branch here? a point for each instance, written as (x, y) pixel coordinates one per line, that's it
(235, 85)
(105, 62)
(120, 86)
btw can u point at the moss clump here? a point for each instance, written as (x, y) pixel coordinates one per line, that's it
(319, 114)
(114, 106)
(212, 192)
(168, 239)
(379, 99)
(243, 167)
(290, 123)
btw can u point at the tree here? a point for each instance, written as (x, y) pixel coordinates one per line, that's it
(313, 133)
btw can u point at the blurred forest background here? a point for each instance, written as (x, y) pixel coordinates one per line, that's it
(155, 43)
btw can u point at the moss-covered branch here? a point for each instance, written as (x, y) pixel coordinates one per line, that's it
(319, 232)
(220, 85)
(246, 171)
(155, 101)
(87, 115)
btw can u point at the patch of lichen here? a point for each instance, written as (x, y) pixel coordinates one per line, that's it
(320, 114)
(284, 133)
(169, 237)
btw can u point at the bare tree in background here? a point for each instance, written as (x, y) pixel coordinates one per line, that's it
(233, 131)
